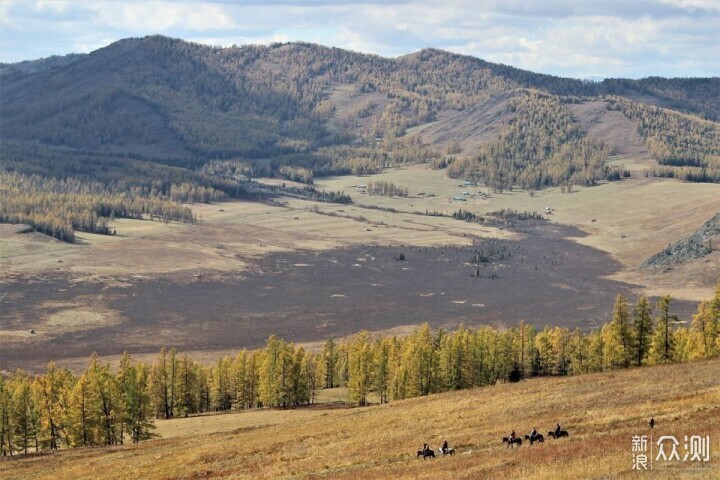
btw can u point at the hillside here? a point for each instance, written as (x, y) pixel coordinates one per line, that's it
(168, 100)
(601, 411)
(156, 120)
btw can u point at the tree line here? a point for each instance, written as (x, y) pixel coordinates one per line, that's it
(60, 207)
(102, 407)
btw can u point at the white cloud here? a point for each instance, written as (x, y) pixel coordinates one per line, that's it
(162, 16)
(613, 37)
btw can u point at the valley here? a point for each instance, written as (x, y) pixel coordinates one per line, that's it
(316, 270)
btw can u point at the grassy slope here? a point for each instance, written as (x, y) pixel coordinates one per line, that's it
(601, 411)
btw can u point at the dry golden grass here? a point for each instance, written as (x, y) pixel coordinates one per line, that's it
(602, 412)
(632, 219)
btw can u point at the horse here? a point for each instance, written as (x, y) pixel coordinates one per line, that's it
(447, 451)
(562, 433)
(535, 438)
(426, 453)
(510, 442)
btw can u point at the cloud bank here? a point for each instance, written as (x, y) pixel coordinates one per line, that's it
(610, 38)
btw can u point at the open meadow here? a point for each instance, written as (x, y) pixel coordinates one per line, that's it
(314, 270)
(601, 412)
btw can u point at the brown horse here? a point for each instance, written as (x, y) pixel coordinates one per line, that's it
(562, 433)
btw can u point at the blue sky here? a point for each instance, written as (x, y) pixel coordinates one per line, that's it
(591, 38)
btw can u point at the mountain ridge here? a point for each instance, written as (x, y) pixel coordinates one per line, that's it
(330, 111)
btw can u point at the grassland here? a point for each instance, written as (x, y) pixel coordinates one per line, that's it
(103, 287)
(631, 220)
(601, 411)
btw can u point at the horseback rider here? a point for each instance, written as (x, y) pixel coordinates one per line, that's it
(445, 447)
(557, 430)
(425, 448)
(533, 434)
(512, 436)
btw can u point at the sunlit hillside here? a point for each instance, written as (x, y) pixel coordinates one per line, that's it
(601, 412)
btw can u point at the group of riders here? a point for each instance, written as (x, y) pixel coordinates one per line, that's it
(534, 434)
(445, 450)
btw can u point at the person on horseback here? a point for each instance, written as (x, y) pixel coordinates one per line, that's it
(557, 431)
(533, 434)
(425, 448)
(445, 447)
(512, 436)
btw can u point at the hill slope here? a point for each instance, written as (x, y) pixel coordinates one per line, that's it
(166, 99)
(602, 412)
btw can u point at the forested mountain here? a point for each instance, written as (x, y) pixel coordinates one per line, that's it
(163, 98)
(153, 115)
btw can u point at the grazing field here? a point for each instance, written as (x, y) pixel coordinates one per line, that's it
(540, 277)
(601, 412)
(631, 220)
(313, 270)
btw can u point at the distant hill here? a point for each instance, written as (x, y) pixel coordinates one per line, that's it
(155, 114)
(158, 97)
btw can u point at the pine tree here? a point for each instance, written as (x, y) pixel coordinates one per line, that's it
(51, 390)
(271, 373)
(25, 415)
(187, 387)
(617, 345)
(329, 355)
(138, 409)
(382, 349)
(160, 385)
(662, 344)
(642, 329)
(82, 424)
(360, 377)
(223, 389)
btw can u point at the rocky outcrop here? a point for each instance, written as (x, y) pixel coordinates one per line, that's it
(701, 243)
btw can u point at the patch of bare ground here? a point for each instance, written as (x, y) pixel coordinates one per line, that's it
(601, 412)
(354, 109)
(617, 132)
(540, 277)
(469, 128)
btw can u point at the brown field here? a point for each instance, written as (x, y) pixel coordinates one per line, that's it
(631, 220)
(311, 270)
(602, 412)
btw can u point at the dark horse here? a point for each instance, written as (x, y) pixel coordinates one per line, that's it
(535, 438)
(426, 453)
(512, 442)
(562, 433)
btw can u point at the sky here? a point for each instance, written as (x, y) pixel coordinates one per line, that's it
(580, 39)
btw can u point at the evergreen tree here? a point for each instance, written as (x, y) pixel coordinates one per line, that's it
(617, 340)
(25, 415)
(330, 357)
(51, 391)
(662, 344)
(642, 329)
(361, 362)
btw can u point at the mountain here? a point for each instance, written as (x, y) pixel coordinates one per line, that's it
(158, 97)
(144, 116)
